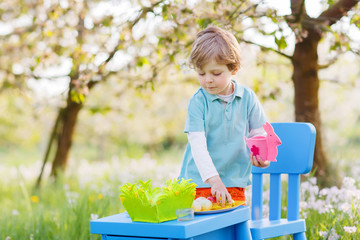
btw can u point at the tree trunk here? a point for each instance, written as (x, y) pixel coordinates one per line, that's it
(51, 141)
(66, 130)
(306, 85)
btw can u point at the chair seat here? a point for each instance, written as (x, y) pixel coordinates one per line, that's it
(264, 228)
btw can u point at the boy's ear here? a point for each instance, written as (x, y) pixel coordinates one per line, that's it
(233, 72)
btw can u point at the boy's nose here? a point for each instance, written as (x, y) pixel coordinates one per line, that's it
(208, 79)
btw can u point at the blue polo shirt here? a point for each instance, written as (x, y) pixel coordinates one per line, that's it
(224, 130)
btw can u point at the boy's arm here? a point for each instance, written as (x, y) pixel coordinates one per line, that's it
(206, 166)
(257, 132)
(201, 155)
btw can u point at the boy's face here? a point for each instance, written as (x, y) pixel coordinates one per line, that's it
(215, 78)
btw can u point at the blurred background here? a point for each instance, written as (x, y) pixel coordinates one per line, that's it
(93, 94)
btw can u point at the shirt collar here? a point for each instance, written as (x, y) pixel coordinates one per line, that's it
(238, 92)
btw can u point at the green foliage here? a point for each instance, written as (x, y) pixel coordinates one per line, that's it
(204, 22)
(142, 61)
(281, 43)
(355, 20)
(60, 211)
(76, 96)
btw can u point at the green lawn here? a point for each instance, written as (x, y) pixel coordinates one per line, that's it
(89, 190)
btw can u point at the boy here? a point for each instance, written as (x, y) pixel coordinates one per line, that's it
(219, 115)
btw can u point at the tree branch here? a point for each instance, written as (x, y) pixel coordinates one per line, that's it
(355, 51)
(266, 48)
(336, 11)
(142, 14)
(336, 81)
(144, 11)
(232, 14)
(330, 62)
(297, 10)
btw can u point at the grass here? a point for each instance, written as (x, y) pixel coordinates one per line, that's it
(59, 210)
(63, 209)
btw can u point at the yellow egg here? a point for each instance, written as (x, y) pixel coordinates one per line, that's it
(206, 205)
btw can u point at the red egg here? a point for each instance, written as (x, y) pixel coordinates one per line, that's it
(211, 199)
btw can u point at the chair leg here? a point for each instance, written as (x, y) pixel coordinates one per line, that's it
(242, 231)
(299, 236)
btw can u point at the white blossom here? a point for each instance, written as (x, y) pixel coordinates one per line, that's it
(350, 229)
(348, 183)
(93, 216)
(15, 212)
(333, 235)
(313, 180)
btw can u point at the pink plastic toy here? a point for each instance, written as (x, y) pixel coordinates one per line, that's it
(266, 147)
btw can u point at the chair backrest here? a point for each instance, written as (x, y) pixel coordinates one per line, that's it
(295, 157)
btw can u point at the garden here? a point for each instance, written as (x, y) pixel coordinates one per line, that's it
(94, 95)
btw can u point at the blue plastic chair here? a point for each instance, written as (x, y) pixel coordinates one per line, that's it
(295, 157)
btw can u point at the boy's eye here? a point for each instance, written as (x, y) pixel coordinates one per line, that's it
(216, 74)
(201, 74)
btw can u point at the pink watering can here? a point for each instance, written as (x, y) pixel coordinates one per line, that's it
(266, 147)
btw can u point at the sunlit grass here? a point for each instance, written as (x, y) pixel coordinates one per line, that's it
(90, 190)
(63, 209)
(59, 210)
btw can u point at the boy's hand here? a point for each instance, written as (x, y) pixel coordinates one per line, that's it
(257, 162)
(219, 190)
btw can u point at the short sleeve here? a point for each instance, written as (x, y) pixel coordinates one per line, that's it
(257, 116)
(195, 114)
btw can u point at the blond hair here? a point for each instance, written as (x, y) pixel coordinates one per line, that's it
(218, 44)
